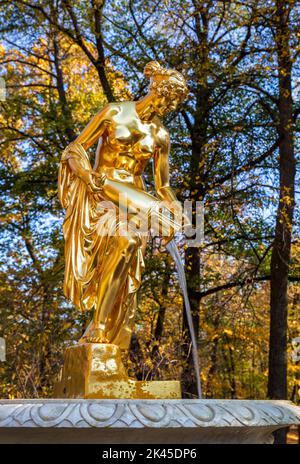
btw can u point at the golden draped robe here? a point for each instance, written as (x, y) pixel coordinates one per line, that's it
(89, 233)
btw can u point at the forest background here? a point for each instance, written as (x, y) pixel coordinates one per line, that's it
(234, 145)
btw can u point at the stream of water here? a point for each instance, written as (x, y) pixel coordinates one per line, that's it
(173, 250)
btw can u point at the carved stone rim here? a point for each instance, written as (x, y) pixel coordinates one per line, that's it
(125, 400)
(131, 413)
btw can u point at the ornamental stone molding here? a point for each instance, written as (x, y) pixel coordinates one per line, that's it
(143, 421)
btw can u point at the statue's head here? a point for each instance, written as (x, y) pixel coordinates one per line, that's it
(167, 86)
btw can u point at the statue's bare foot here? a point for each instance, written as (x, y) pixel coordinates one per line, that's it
(95, 335)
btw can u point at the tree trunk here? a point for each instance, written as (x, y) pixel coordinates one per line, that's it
(197, 192)
(277, 381)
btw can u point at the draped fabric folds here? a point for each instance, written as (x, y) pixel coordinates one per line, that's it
(89, 232)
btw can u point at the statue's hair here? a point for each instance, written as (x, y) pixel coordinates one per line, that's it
(166, 82)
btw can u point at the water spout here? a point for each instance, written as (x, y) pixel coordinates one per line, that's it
(173, 250)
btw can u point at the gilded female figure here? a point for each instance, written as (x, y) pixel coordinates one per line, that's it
(103, 270)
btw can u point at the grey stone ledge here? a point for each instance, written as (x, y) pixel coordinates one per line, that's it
(143, 421)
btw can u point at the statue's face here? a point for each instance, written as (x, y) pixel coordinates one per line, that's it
(164, 104)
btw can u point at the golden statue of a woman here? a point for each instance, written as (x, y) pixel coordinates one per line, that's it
(103, 268)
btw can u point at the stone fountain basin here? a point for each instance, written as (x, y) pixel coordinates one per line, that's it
(165, 421)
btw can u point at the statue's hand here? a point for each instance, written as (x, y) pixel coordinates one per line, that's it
(100, 178)
(97, 186)
(93, 180)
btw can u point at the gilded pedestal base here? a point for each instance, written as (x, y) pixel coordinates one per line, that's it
(95, 370)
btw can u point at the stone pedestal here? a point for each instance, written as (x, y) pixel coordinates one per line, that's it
(95, 370)
(143, 421)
